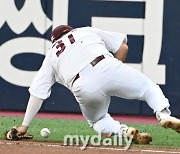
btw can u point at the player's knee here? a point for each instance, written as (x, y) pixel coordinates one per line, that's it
(155, 98)
(107, 125)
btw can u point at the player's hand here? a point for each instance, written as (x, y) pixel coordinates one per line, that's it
(22, 129)
(14, 134)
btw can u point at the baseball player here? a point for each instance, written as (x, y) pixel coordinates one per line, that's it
(89, 62)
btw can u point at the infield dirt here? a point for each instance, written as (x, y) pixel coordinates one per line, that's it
(24, 147)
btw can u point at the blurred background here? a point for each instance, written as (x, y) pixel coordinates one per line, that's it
(152, 26)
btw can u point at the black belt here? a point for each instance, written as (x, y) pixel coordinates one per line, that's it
(93, 63)
(97, 60)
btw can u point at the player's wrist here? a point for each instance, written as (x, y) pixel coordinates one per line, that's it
(22, 129)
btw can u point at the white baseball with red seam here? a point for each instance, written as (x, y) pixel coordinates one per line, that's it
(45, 132)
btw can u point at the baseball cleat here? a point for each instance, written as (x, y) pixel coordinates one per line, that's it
(138, 137)
(168, 121)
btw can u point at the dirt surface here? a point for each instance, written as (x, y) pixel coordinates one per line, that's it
(24, 147)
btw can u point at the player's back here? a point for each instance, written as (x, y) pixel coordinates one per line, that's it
(75, 50)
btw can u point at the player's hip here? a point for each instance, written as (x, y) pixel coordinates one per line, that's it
(95, 77)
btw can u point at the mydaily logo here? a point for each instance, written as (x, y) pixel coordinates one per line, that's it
(97, 140)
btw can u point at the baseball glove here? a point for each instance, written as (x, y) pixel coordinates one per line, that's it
(139, 137)
(13, 134)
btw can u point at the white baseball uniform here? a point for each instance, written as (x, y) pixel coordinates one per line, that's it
(72, 54)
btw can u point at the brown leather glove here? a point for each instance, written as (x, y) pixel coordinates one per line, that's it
(13, 134)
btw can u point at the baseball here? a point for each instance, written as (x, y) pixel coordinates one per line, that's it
(45, 132)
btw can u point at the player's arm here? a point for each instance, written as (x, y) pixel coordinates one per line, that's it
(34, 104)
(115, 43)
(122, 52)
(40, 89)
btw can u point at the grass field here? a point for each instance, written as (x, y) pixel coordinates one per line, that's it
(59, 128)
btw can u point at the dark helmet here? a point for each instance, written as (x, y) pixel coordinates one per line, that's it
(59, 31)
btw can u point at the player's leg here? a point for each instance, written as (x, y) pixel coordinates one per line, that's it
(94, 105)
(153, 95)
(131, 84)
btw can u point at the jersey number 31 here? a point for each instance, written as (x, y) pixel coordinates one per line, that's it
(61, 46)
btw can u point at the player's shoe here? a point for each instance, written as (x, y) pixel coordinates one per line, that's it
(168, 121)
(138, 137)
(134, 134)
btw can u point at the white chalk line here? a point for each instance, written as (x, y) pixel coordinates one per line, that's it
(89, 147)
(118, 149)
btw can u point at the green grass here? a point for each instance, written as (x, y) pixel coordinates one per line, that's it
(59, 128)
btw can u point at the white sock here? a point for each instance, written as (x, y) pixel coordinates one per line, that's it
(165, 111)
(34, 104)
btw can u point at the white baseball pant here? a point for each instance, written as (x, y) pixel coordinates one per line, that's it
(110, 77)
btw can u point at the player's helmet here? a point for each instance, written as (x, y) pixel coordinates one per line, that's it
(59, 31)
